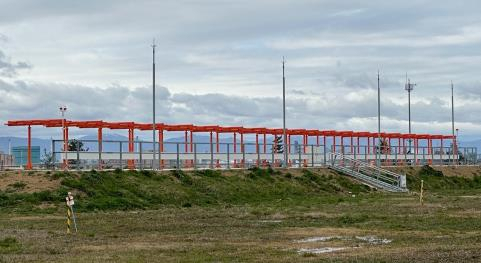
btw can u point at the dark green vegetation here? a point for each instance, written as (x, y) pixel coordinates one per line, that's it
(435, 180)
(116, 190)
(257, 215)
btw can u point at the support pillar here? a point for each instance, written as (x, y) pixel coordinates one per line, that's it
(334, 143)
(441, 152)
(257, 147)
(217, 147)
(29, 149)
(358, 146)
(131, 162)
(368, 145)
(161, 148)
(186, 147)
(99, 139)
(192, 147)
(342, 144)
(66, 146)
(265, 143)
(235, 148)
(242, 147)
(185, 142)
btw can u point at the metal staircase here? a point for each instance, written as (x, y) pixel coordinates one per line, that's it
(368, 174)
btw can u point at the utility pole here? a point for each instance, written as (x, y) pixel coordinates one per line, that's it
(452, 120)
(284, 113)
(63, 109)
(379, 120)
(409, 87)
(153, 106)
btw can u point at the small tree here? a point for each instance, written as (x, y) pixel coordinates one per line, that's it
(278, 145)
(75, 145)
(47, 159)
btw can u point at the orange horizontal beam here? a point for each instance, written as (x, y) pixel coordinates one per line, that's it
(213, 128)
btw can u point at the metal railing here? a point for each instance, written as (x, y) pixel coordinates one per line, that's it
(368, 173)
(182, 155)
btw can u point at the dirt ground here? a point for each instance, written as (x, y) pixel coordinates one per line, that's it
(27, 182)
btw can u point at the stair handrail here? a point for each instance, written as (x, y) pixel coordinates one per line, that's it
(360, 164)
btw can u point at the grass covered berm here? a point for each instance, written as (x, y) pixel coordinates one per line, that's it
(124, 190)
(435, 179)
(127, 190)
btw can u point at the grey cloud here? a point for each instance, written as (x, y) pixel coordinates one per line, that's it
(120, 103)
(221, 61)
(10, 69)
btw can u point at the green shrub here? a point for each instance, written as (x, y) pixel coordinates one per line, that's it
(18, 185)
(9, 245)
(427, 170)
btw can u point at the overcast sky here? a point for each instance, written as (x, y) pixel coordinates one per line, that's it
(219, 62)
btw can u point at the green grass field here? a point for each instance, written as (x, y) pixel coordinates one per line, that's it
(239, 216)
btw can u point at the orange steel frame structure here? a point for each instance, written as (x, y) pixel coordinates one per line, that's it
(189, 129)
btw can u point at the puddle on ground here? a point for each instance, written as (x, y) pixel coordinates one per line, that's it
(317, 239)
(374, 240)
(320, 250)
(371, 240)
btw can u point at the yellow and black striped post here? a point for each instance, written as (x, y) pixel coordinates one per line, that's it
(69, 221)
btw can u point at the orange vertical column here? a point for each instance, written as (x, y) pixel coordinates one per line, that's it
(368, 145)
(191, 147)
(217, 146)
(211, 150)
(161, 147)
(441, 152)
(186, 147)
(131, 162)
(342, 144)
(351, 146)
(29, 148)
(265, 148)
(305, 148)
(66, 146)
(242, 147)
(99, 138)
(289, 163)
(358, 146)
(64, 149)
(399, 145)
(257, 147)
(235, 148)
(334, 143)
(430, 150)
(416, 143)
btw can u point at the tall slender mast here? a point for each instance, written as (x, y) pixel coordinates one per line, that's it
(284, 113)
(379, 119)
(409, 108)
(452, 120)
(409, 87)
(153, 105)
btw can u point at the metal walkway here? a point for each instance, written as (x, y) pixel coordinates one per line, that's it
(368, 174)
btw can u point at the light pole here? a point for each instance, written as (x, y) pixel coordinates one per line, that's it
(378, 121)
(409, 87)
(284, 113)
(452, 118)
(63, 109)
(153, 105)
